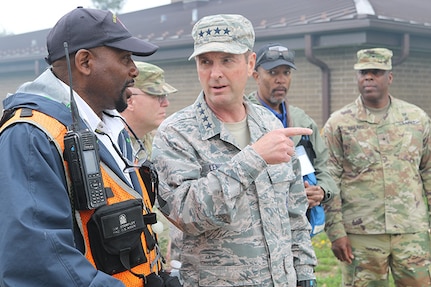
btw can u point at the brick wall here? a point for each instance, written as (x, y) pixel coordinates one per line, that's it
(412, 81)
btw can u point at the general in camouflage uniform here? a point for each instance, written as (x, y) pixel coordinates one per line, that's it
(380, 158)
(225, 183)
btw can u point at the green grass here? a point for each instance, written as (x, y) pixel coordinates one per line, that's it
(328, 272)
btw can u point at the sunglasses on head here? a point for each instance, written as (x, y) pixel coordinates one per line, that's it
(272, 55)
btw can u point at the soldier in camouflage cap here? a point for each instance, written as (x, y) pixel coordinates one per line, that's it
(227, 169)
(380, 157)
(146, 103)
(151, 80)
(377, 58)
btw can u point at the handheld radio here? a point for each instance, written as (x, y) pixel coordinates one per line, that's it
(81, 154)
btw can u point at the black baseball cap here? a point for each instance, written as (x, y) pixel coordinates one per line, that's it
(84, 28)
(273, 55)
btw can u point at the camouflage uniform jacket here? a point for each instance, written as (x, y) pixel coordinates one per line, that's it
(231, 205)
(298, 118)
(383, 170)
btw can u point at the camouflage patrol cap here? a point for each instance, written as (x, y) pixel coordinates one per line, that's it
(151, 80)
(228, 33)
(376, 58)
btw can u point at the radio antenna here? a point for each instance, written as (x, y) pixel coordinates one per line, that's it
(74, 109)
(82, 155)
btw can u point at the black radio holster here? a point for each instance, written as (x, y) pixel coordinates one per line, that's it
(115, 236)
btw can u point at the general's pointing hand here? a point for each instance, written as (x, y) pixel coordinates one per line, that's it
(290, 132)
(277, 146)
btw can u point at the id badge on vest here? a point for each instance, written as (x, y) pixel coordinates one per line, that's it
(306, 166)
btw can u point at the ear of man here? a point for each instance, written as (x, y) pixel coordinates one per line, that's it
(83, 61)
(251, 63)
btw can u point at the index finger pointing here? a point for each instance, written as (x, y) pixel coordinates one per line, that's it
(289, 132)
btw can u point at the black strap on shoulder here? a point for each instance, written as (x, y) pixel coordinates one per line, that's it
(7, 114)
(26, 113)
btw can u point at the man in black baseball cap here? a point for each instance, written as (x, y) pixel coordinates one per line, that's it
(73, 244)
(273, 55)
(273, 75)
(88, 28)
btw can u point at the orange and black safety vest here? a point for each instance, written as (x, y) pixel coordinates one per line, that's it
(121, 192)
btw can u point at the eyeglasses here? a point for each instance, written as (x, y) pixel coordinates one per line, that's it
(161, 98)
(272, 55)
(140, 155)
(375, 72)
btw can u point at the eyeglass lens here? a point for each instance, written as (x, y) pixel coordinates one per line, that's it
(161, 98)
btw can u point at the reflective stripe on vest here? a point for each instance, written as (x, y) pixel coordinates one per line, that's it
(56, 131)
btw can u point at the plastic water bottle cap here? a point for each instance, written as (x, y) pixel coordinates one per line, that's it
(157, 227)
(175, 264)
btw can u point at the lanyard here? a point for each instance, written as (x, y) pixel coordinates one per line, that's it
(282, 117)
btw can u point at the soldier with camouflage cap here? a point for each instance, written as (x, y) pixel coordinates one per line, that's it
(380, 157)
(151, 80)
(227, 168)
(147, 102)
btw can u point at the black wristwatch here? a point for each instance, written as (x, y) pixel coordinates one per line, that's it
(307, 283)
(327, 195)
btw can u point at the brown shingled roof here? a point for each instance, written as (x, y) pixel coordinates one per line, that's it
(170, 26)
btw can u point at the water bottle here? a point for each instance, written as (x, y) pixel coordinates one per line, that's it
(175, 270)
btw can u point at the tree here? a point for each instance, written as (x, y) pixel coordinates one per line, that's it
(3, 32)
(112, 5)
